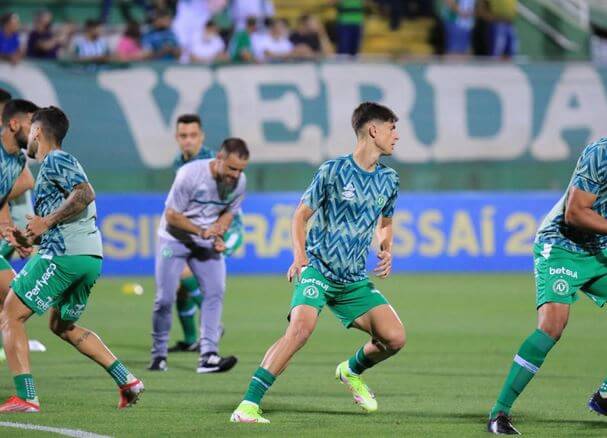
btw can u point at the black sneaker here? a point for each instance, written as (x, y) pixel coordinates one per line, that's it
(213, 363)
(158, 364)
(598, 404)
(184, 347)
(501, 425)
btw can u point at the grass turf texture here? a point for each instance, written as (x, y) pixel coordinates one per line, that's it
(463, 331)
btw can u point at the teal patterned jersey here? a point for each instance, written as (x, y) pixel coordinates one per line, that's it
(348, 202)
(11, 166)
(59, 173)
(590, 175)
(203, 154)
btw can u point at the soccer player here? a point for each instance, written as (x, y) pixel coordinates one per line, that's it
(569, 255)
(190, 137)
(61, 275)
(199, 208)
(350, 197)
(15, 179)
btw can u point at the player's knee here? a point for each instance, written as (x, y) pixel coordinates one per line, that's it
(395, 340)
(58, 329)
(163, 304)
(299, 333)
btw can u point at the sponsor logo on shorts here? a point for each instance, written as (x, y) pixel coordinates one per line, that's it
(76, 311)
(563, 271)
(318, 283)
(560, 287)
(33, 293)
(166, 252)
(311, 292)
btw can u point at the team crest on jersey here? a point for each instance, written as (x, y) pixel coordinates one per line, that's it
(349, 192)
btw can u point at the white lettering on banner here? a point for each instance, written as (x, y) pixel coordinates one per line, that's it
(344, 84)
(134, 91)
(453, 141)
(30, 82)
(578, 101)
(248, 112)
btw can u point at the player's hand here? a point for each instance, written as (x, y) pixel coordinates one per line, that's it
(294, 271)
(384, 266)
(16, 238)
(36, 227)
(219, 245)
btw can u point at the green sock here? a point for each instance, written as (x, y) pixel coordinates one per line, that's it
(197, 297)
(26, 390)
(186, 310)
(120, 373)
(527, 362)
(359, 362)
(260, 382)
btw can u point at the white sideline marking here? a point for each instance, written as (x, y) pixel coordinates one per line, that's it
(61, 431)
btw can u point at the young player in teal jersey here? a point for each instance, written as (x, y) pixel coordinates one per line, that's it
(350, 198)
(190, 137)
(570, 254)
(15, 177)
(61, 275)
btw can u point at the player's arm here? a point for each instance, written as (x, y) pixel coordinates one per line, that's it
(24, 183)
(80, 197)
(181, 221)
(302, 215)
(384, 234)
(579, 212)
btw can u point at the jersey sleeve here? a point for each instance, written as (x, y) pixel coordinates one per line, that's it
(590, 170)
(65, 172)
(388, 210)
(315, 194)
(181, 192)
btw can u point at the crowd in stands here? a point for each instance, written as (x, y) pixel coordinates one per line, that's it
(214, 31)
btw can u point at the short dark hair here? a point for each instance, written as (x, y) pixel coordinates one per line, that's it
(91, 23)
(367, 111)
(17, 106)
(251, 21)
(234, 145)
(5, 96)
(189, 118)
(54, 123)
(210, 23)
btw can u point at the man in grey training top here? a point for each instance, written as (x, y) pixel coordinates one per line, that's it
(198, 211)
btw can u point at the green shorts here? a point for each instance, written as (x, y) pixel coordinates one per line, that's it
(6, 250)
(4, 264)
(560, 273)
(62, 282)
(346, 301)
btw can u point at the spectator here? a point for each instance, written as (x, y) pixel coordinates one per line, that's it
(275, 45)
(242, 10)
(207, 46)
(310, 40)
(458, 20)
(191, 16)
(160, 41)
(10, 48)
(92, 46)
(502, 34)
(129, 46)
(241, 46)
(350, 18)
(42, 43)
(125, 9)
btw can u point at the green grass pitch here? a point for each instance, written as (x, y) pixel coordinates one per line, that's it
(462, 330)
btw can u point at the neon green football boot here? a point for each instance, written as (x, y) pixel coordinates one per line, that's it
(248, 412)
(363, 396)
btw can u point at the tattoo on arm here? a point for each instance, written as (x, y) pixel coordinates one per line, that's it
(79, 198)
(82, 338)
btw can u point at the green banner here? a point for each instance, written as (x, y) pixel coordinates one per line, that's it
(462, 126)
